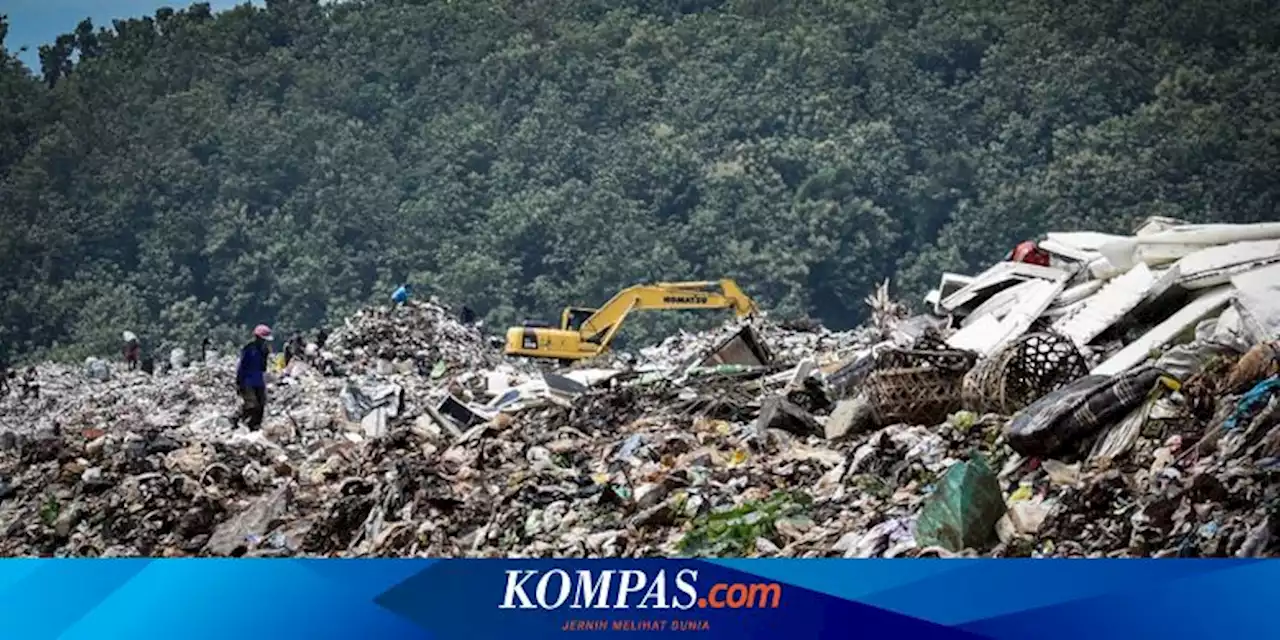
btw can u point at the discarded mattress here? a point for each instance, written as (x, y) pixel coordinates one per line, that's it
(1078, 411)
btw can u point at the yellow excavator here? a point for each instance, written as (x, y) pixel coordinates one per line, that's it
(584, 332)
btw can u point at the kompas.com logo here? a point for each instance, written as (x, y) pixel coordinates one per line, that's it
(631, 589)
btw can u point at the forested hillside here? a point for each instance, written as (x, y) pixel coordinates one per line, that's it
(190, 172)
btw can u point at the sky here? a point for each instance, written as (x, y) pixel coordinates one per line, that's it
(36, 22)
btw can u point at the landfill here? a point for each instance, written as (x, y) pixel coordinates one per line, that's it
(1093, 395)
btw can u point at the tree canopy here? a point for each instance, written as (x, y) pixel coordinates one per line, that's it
(193, 173)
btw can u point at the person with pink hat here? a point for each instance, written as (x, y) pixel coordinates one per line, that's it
(251, 379)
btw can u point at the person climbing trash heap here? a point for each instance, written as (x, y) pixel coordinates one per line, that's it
(251, 381)
(132, 350)
(401, 295)
(31, 384)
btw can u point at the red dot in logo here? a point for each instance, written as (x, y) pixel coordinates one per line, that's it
(702, 602)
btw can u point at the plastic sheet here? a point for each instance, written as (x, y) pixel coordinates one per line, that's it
(963, 512)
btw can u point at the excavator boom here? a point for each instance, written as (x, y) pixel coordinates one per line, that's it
(584, 333)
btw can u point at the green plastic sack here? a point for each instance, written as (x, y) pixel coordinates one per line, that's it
(962, 513)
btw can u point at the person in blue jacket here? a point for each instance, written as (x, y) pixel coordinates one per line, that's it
(251, 379)
(401, 295)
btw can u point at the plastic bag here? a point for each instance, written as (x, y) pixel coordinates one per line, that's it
(963, 512)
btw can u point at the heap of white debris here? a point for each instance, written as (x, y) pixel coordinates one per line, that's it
(1166, 278)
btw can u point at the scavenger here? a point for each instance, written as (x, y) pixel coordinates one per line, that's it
(251, 379)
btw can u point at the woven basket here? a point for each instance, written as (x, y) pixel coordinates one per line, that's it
(1022, 372)
(916, 395)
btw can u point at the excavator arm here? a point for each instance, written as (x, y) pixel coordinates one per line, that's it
(584, 333)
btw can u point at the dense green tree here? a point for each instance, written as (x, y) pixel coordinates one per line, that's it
(191, 173)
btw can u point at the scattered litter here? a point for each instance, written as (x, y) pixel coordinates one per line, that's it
(1124, 386)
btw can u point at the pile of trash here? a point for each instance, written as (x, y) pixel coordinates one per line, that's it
(418, 331)
(1091, 396)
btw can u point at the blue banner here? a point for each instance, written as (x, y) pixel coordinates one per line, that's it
(791, 599)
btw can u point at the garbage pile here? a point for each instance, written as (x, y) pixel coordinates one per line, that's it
(1139, 374)
(1015, 418)
(418, 331)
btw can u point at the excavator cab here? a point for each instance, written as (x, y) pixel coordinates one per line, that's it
(573, 317)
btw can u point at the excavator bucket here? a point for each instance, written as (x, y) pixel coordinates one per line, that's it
(744, 347)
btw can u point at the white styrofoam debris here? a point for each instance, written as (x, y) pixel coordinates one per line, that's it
(1059, 310)
(1157, 224)
(1102, 269)
(948, 284)
(1257, 301)
(497, 382)
(952, 282)
(1077, 293)
(1180, 242)
(1001, 274)
(1029, 308)
(1215, 266)
(1120, 296)
(592, 377)
(1208, 304)
(1214, 233)
(1068, 251)
(1121, 275)
(979, 337)
(1084, 241)
(999, 304)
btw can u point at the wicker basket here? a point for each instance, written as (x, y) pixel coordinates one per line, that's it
(916, 395)
(1023, 371)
